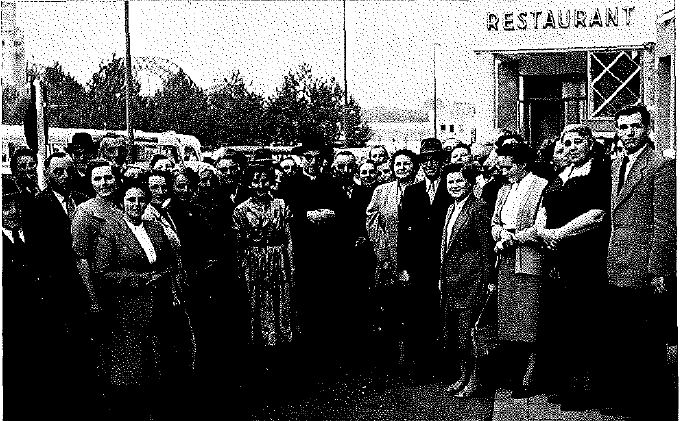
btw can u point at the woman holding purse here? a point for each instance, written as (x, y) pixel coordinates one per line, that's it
(136, 280)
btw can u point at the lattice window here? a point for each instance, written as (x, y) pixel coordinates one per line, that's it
(614, 80)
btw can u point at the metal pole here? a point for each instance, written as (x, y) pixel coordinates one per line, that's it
(344, 34)
(128, 72)
(40, 128)
(434, 73)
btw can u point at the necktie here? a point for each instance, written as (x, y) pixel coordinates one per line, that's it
(70, 207)
(16, 236)
(622, 172)
(431, 192)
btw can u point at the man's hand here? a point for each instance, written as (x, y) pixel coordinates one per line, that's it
(659, 284)
(320, 215)
(404, 277)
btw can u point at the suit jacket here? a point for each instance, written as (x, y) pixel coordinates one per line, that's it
(642, 242)
(528, 254)
(467, 256)
(48, 235)
(352, 213)
(420, 228)
(382, 224)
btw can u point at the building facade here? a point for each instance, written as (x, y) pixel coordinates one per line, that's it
(549, 65)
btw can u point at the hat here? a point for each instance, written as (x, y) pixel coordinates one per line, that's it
(297, 150)
(81, 140)
(431, 146)
(263, 156)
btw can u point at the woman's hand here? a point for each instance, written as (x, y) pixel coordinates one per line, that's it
(507, 240)
(156, 276)
(551, 237)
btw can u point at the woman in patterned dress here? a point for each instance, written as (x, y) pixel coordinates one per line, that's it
(265, 258)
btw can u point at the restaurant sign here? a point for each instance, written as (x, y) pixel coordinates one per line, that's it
(560, 18)
(548, 25)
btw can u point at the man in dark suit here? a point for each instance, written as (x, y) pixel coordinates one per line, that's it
(48, 235)
(421, 221)
(30, 367)
(48, 232)
(320, 241)
(640, 265)
(354, 247)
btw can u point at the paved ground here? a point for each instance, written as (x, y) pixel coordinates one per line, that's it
(349, 400)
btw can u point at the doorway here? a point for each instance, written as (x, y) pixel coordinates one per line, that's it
(548, 103)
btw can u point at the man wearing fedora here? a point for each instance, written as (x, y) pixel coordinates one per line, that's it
(82, 149)
(421, 221)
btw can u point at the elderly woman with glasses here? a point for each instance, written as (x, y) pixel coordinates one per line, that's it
(576, 206)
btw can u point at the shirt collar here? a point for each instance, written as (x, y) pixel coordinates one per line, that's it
(8, 233)
(429, 182)
(634, 156)
(462, 202)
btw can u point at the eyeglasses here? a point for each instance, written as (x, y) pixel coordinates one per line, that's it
(634, 126)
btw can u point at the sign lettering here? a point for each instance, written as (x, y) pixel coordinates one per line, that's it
(566, 18)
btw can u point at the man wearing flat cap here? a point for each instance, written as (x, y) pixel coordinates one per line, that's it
(421, 221)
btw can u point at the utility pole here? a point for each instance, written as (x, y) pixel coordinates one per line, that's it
(128, 73)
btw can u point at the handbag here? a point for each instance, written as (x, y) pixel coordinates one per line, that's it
(484, 335)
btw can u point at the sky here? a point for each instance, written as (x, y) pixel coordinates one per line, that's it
(390, 44)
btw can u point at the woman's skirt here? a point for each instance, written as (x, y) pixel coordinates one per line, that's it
(519, 302)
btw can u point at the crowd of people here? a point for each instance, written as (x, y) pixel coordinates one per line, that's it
(153, 293)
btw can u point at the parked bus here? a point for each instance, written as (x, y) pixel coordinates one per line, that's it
(178, 147)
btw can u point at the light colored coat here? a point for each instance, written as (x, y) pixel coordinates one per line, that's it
(382, 224)
(643, 239)
(528, 255)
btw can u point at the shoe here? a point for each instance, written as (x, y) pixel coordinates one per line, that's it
(554, 398)
(462, 381)
(522, 392)
(457, 386)
(470, 390)
(576, 403)
(616, 411)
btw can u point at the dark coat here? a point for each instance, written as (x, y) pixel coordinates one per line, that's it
(352, 213)
(420, 230)
(48, 235)
(467, 261)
